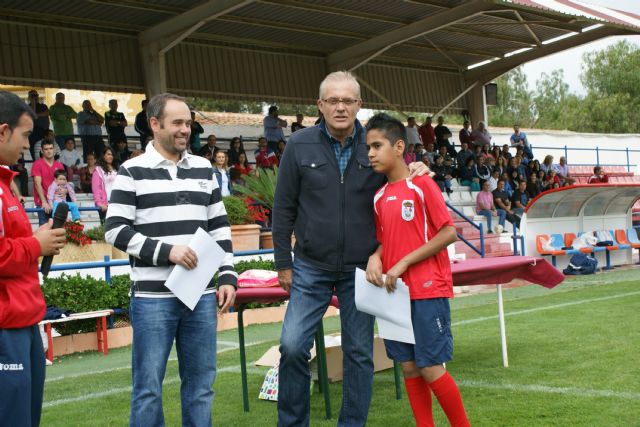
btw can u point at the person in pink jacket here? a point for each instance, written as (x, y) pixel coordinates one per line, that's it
(102, 181)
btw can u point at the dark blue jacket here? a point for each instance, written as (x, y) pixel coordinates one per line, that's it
(332, 215)
(218, 174)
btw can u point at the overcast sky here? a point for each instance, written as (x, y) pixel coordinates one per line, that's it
(571, 60)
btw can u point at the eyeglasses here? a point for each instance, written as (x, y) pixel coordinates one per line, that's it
(348, 102)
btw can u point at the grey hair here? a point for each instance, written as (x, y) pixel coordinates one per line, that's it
(339, 76)
(155, 107)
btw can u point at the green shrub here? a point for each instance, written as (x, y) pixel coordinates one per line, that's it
(78, 294)
(96, 233)
(237, 210)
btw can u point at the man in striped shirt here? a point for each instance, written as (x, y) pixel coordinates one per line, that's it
(158, 201)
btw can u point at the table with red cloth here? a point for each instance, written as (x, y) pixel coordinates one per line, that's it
(481, 271)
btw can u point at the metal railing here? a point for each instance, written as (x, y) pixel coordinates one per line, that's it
(566, 149)
(477, 226)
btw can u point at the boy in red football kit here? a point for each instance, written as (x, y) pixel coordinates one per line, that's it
(414, 229)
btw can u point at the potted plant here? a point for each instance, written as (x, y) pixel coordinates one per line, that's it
(245, 234)
(79, 247)
(260, 190)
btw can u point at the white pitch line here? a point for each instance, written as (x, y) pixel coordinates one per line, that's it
(118, 390)
(120, 368)
(540, 388)
(548, 307)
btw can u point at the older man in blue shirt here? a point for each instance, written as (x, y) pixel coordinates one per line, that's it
(273, 128)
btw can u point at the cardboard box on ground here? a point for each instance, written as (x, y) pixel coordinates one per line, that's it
(333, 350)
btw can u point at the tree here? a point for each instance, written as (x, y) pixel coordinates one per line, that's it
(554, 106)
(514, 101)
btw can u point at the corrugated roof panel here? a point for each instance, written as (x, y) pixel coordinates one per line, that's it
(406, 10)
(312, 20)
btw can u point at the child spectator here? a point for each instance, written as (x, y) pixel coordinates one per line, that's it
(265, 158)
(62, 191)
(542, 181)
(236, 179)
(402, 222)
(442, 175)
(71, 158)
(598, 177)
(487, 208)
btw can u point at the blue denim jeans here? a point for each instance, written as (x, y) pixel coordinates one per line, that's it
(489, 214)
(311, 293)
(156, 323)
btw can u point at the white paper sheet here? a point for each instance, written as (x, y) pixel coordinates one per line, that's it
(392, 310)
(188, 285)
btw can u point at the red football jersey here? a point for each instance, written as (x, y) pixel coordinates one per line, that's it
(409, 214)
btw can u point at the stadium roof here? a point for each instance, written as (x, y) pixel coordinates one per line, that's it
(412, 55)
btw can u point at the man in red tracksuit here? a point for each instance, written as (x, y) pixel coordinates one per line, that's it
(22, 363)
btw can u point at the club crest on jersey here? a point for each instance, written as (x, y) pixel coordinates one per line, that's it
(407, 210)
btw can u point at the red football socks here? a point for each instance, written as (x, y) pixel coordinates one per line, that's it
(448, 396)
(420, 399)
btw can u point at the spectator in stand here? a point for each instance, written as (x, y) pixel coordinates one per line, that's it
(210, 150)
(533, 187)
(465, 134)
(86, 174)
(481, 135)
(61, 115)
(523, 158)
(519, 139)
(121, 151)
(442, 151)
(281, 146)
(89, 123)
(427, 133)
(425, 159)
(520, 199)
(22, 177)
(477, 152)
(243, 165)
(49, 135)
(265, 158)
(463, 155)
(141, 125)
(508, 187)
(495, 152)
(196, 131)
(443, 174)
(542, 181)
(41, 124)
(598, 177)
(61, 190)
(493, 181)
(430, 152)
(71, 158)
(552, 179)
(514, 179)
(297, 125)
(273, 128)
(410, 154)
(547, 164)
(502, 201)
(442, 137)
(221, 173)
(419, 149)
(482, 171)
(468, 176)
(562, 170)
(43, 171)
(521, 168)
(505, 152)
(235, 148)
(104, 175)
(501, 165)
(485, 151)
(413, 137)
(114, 123)
(486, 207)
(236, 178)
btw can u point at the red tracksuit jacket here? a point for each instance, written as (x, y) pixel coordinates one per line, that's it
(21, 300)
